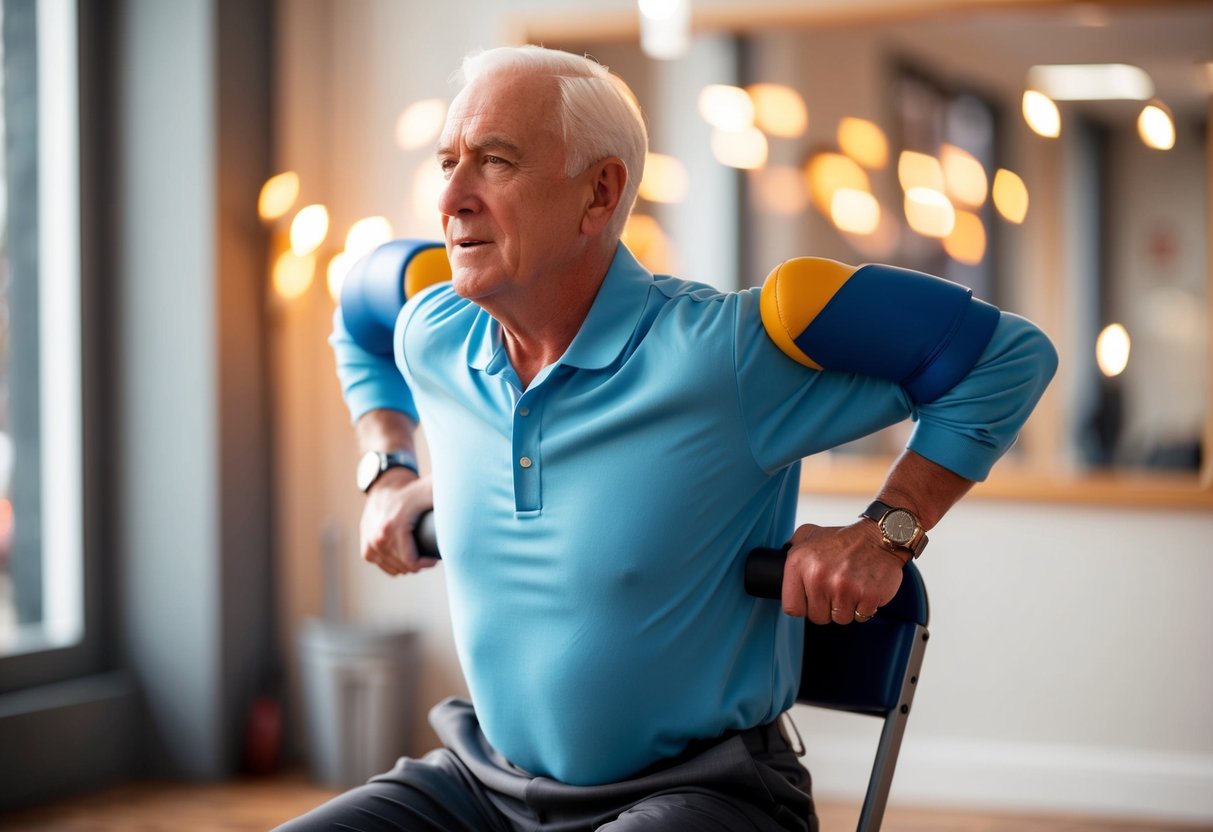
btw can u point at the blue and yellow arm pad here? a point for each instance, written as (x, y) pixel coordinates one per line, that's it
(923, 332)
(377, 286)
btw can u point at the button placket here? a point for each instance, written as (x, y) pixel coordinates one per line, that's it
(527, 492)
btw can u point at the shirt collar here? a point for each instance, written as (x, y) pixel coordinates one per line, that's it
(605, 331)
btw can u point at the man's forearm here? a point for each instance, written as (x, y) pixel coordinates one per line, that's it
(385, 430)
(922, 486)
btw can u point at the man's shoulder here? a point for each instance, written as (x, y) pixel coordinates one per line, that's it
(702, 300)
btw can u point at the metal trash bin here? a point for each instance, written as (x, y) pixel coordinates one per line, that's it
(359, 687)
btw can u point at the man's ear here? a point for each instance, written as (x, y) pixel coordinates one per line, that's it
(610, 178)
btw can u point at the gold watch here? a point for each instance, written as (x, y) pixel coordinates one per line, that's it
(899, 527)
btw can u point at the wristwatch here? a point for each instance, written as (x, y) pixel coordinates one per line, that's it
(899, 527)
(374, 463)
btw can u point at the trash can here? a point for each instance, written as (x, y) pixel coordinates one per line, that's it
(358, 687)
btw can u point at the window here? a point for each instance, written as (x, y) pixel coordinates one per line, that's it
(41, 472)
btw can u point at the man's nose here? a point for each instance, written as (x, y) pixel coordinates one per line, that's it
(459, 195)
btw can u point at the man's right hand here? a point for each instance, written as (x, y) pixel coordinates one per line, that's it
(393, 506)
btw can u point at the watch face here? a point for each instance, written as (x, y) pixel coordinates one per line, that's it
(899, 526)
(368, 470)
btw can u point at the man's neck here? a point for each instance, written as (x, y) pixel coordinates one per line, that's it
(541, 332)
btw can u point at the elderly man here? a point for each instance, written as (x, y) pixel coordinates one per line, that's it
(607, 445)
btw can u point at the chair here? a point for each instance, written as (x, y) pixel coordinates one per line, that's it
(870, 668)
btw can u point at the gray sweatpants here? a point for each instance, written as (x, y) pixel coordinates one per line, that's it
(751, 780)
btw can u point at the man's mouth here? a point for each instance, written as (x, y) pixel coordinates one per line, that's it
(469, 243)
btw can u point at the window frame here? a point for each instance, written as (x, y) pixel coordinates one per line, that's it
(67, 469)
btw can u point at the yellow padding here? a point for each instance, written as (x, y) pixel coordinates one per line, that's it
(427, 267)
(792, 296)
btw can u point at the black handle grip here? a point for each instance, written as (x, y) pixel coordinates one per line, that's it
(764, 572)
(426, 537)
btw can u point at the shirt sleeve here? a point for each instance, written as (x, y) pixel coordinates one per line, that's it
(368, 381)
(972, 425)
(792, 412)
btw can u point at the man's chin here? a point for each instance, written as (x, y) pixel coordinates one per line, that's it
(470, 286)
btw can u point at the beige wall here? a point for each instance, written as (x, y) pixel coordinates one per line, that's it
(1071, 664)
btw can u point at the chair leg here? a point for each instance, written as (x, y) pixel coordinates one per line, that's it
(872, 814)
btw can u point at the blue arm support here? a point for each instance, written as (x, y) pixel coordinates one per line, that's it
(378, 285)
(921, 331)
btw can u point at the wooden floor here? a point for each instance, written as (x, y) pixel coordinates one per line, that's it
(259, 805)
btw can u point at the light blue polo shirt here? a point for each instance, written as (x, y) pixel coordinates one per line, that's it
(594, 527)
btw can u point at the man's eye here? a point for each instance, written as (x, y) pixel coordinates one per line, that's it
(494, 160)
(447, 165)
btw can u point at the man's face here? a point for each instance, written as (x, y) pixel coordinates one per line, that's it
(511, 216)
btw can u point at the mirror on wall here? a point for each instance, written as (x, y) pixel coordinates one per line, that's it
(1053, 156)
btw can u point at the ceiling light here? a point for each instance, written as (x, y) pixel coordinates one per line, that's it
(779, 110)
(918, 170)
(1010, 196)
(278, 195)
(308, 229)
(1041, 114)
(726, 107)
(929, 212)
(855, 211)
(826, 173)
(1155, 126)
(665, 179)
(665, 28)
(963, 175)
(745, 149)
(1112, 349)
(1091, 82)
(864, 142)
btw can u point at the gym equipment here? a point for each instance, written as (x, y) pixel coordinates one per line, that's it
(867, 668)
(376, 287)
(921, 331)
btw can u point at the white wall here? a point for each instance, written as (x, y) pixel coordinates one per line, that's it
(1071, 663)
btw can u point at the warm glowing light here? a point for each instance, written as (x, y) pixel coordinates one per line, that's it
(6, 518)
(1041, 114)
(780, 191)
(779, 110)
(644, 238)
(338, 268)
(420, 123)
(967, 242)
(1155, 126)
(278, 195)
(1091, 82)
(855, 211)
(665, 28)
(308, 229)
(1010, 196)
(746, 149)
(929, 212)
(1112, 350)
(665, 179)
(292, 274)
(864, 142)
(366, 234)
(964, 177)
(827, 172)
(918, 170)
(726, 108)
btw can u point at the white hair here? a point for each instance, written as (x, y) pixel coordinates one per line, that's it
(599, 115)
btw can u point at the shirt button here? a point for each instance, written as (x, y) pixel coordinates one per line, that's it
(524, 411)
(525, 462)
